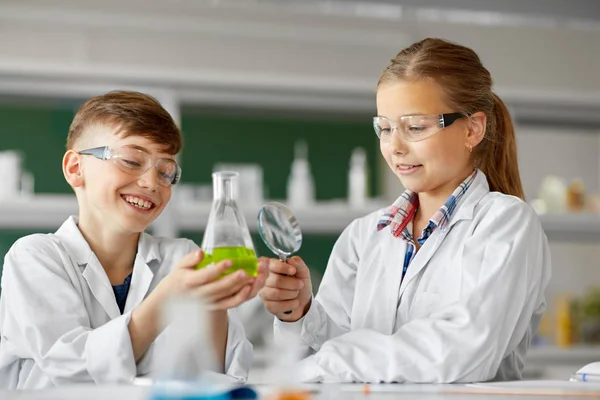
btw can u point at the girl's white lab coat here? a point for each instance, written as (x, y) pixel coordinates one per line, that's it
(59, 320)
(470, 302)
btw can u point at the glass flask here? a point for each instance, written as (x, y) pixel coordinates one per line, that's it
(227, 236)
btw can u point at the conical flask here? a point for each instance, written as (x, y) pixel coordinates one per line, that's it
(227, 236)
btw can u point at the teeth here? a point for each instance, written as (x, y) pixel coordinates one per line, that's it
(140, 203)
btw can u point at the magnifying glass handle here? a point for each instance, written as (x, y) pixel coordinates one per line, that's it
(283, 258)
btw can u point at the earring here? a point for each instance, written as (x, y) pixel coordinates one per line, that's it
(470, 148)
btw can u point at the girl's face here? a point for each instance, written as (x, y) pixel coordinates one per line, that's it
(437, 163)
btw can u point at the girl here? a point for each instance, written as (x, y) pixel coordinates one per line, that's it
(447, 284)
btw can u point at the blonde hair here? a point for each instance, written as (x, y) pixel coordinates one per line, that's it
(467, 87)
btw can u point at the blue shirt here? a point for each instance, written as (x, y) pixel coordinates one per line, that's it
(121, 292)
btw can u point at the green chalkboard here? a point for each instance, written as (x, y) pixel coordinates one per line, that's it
(269, 141)
(39, 131)
(40, 134)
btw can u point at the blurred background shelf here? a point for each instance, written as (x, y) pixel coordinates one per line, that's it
(552, 362)
(332, 217)
(580, 227)
(48, 211)
(323, 217)
(577, 354)
(39, 212)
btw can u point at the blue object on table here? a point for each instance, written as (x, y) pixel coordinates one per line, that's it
(182, 390)
(244, 393)
(585, 378)
(588, 373)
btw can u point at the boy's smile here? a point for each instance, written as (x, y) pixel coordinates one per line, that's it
(139, 202)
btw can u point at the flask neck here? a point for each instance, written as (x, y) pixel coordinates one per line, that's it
(224, 185)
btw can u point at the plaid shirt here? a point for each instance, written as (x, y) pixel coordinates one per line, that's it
(400, 216)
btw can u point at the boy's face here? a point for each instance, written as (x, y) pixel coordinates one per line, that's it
(128, 202)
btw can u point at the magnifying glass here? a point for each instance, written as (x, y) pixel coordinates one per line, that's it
(280, 230)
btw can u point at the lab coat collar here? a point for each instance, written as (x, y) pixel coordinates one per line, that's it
(95, 275)
(70, 235)
(464, 211)
(466, 207)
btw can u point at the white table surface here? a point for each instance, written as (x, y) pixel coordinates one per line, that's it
(321, 392)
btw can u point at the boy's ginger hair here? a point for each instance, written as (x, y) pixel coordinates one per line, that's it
(131, 113)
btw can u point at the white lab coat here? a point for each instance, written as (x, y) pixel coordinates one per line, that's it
(470, 302)
(59, 320)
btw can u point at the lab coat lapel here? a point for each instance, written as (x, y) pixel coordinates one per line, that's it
(100, 286)
(140, 283)
(378, 298)
(93, 273)
(392, 278)
(143, 274)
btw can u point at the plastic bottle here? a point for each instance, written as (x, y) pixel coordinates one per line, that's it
(300, 187)
(357, 178)
(563, 322)
(553, 192)
(576, 196)
(184, 358)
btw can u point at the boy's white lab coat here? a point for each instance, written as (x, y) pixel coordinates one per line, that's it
(59, 320)
(470, 302)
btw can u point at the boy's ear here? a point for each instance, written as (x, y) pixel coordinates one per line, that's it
(476, 132)
(73, 169)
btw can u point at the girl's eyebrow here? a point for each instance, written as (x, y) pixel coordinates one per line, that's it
(415, 114)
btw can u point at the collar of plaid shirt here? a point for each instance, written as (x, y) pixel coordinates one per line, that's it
(402, 212)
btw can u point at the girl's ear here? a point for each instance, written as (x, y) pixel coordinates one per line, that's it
(476, 129)
(73, 169)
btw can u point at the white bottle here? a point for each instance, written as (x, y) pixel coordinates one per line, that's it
(300, 186)
(357, 178)
(186, 366)
(188, 352)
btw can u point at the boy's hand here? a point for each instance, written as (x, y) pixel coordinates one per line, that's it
(288, 287)
(219, 293)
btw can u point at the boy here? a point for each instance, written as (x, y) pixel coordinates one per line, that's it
(82, 304)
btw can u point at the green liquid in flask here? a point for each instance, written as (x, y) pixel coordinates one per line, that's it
(242, 257)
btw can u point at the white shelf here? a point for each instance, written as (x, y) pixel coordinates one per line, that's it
(48, 211)
(322, 218)
(43, 212)
(335, 216)
(580, 227)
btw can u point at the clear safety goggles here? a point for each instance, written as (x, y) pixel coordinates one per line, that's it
(137, 162)
(413, 128)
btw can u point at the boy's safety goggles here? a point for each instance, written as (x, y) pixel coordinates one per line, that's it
(137, 162)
